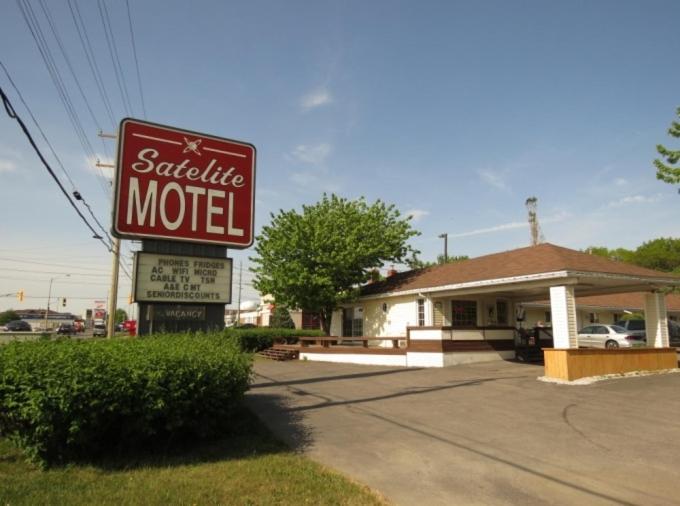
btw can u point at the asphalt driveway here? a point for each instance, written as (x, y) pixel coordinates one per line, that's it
(479, 434)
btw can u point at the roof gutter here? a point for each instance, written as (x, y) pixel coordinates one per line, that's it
(544, 276)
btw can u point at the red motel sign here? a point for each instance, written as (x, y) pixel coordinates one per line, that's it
(181, 185)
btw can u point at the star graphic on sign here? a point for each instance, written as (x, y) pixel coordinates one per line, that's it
(192, 146)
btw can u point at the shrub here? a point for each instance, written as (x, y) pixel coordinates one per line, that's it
(68, 400)
(280, 318)
(259, 338)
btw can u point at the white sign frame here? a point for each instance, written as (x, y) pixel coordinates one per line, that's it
(178, 276)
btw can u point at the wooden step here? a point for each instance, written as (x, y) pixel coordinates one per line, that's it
(275, 353)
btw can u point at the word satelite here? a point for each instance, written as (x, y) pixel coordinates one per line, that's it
(181, 185)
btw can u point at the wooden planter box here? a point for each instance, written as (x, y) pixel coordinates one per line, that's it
(572, 364)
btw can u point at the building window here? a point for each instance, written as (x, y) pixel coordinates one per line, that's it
(616, 317)
(464, 313)
(501, 312)
(593, 317)
(548, 317)
(421, 312)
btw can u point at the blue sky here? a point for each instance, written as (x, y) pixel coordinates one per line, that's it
(456, 112)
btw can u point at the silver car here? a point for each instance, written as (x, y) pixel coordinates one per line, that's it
(608, 336)
(99, 330)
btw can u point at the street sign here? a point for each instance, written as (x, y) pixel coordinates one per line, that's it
(179, 278)
(185, 186)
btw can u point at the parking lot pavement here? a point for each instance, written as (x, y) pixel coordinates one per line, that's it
(479, 434)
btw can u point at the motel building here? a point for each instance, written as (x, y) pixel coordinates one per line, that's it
(474, 310)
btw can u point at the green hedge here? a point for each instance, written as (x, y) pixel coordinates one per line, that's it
(68, 400)
(259, 338)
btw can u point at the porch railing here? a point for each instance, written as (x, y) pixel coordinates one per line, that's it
(327, 342)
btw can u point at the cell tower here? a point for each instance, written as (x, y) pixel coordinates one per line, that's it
(536, 233)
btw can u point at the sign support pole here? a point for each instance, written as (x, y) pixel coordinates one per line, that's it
(113, 297)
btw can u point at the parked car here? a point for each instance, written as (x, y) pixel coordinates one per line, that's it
(635, 327)
(674, 333)
(608, 336)
(17, 326)
(66, 329)
(99, 330)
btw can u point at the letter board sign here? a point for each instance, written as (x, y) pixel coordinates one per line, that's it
(180, 185)
(178, 278)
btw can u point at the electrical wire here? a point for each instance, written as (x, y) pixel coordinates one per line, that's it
(55, 33)
(51, 264)
(44, 48)
(49, 272)
(134, 52)
(77, 195)
(91, 60)
(113, 52)
(12, 114)
(46, 54)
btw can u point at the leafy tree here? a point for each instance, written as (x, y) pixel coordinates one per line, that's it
(317, 259)
(416, 263)
(619, 254)
(281, 319)
(662, 254)
(633, 316)
(8, 316)
(121, 316)
(668, 170)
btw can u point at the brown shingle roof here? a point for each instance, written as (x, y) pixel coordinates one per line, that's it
(519, 262)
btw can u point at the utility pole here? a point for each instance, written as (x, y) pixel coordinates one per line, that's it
(115, 266)
(445, 236)
(536, 234)
(238, 310)
(115, 261)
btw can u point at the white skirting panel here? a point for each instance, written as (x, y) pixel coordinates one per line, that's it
(476, 356)
(413, 359)
(356, 358)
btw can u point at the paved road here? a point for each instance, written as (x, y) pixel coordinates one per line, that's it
(481, 433)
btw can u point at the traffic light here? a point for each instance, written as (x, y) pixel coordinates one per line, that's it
(63, 302)
(20, 295)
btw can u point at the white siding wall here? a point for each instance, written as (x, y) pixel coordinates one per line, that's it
(401, 313)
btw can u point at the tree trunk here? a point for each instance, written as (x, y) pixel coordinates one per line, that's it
(325, 315)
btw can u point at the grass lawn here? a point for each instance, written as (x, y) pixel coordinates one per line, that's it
(244, 469)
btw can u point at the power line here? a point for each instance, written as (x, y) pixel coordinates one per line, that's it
(43, 47)
(33, 262)
(32, 271)
(76, 193)
(50, 63)
(134, 51)
(113, 52)
(50, 22)
(91, 60)
(12, 114)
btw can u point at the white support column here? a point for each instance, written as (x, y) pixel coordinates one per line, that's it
(429, 312)
(563, 309)
(656, 320)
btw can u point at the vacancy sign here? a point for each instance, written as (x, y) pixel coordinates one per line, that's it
(185, 186)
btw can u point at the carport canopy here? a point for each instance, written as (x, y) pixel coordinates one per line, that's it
(536, 273)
